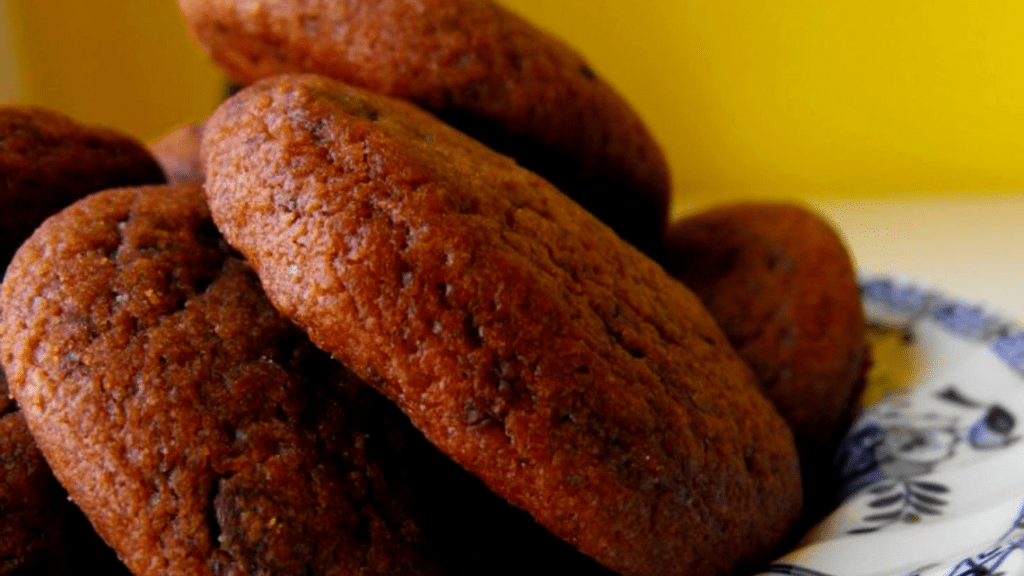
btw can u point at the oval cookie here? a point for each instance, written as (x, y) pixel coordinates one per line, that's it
(525, 339)
(476, 65)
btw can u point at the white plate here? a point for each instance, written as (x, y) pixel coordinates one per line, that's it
(934, 468)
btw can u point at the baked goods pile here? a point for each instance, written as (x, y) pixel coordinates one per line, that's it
(359, 341)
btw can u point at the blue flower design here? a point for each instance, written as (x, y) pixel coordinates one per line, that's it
(891, 447)
(992, 429)
(898, 450)
(856, 460)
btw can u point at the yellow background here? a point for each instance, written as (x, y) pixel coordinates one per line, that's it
(129, 64)
(749, 98)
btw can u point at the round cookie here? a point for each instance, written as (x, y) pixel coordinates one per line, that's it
(782, 286)
(477, 66)
(525, 339)
(48, 161)
(177, 152)
(203, 434)
(41, 532)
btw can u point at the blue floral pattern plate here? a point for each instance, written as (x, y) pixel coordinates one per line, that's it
(933, 469)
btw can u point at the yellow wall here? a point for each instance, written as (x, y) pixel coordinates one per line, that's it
(784, 97)
(130, 64)
(10, 68)
(748, 97)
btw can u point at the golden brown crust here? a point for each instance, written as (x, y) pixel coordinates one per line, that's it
(520, 334)
(477, 66)
(48, 161)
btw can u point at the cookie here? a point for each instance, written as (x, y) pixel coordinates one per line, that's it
(477, 66)
(182, 413)
(178, 153)
(781, 284)
(520, 334)
(202, 433)
(48, 161)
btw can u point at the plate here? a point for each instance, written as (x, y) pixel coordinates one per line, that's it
(933, 469)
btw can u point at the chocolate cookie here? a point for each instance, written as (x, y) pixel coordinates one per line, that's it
(782, 286)
(477, 66)
(201, 431)
(525, 339)
(48, 161)
(178, 153)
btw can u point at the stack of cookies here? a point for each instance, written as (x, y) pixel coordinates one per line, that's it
(406, 308)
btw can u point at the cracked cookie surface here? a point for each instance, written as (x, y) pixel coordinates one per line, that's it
(186, 417)
(525, 339)
(476, 65)
(200, 430)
